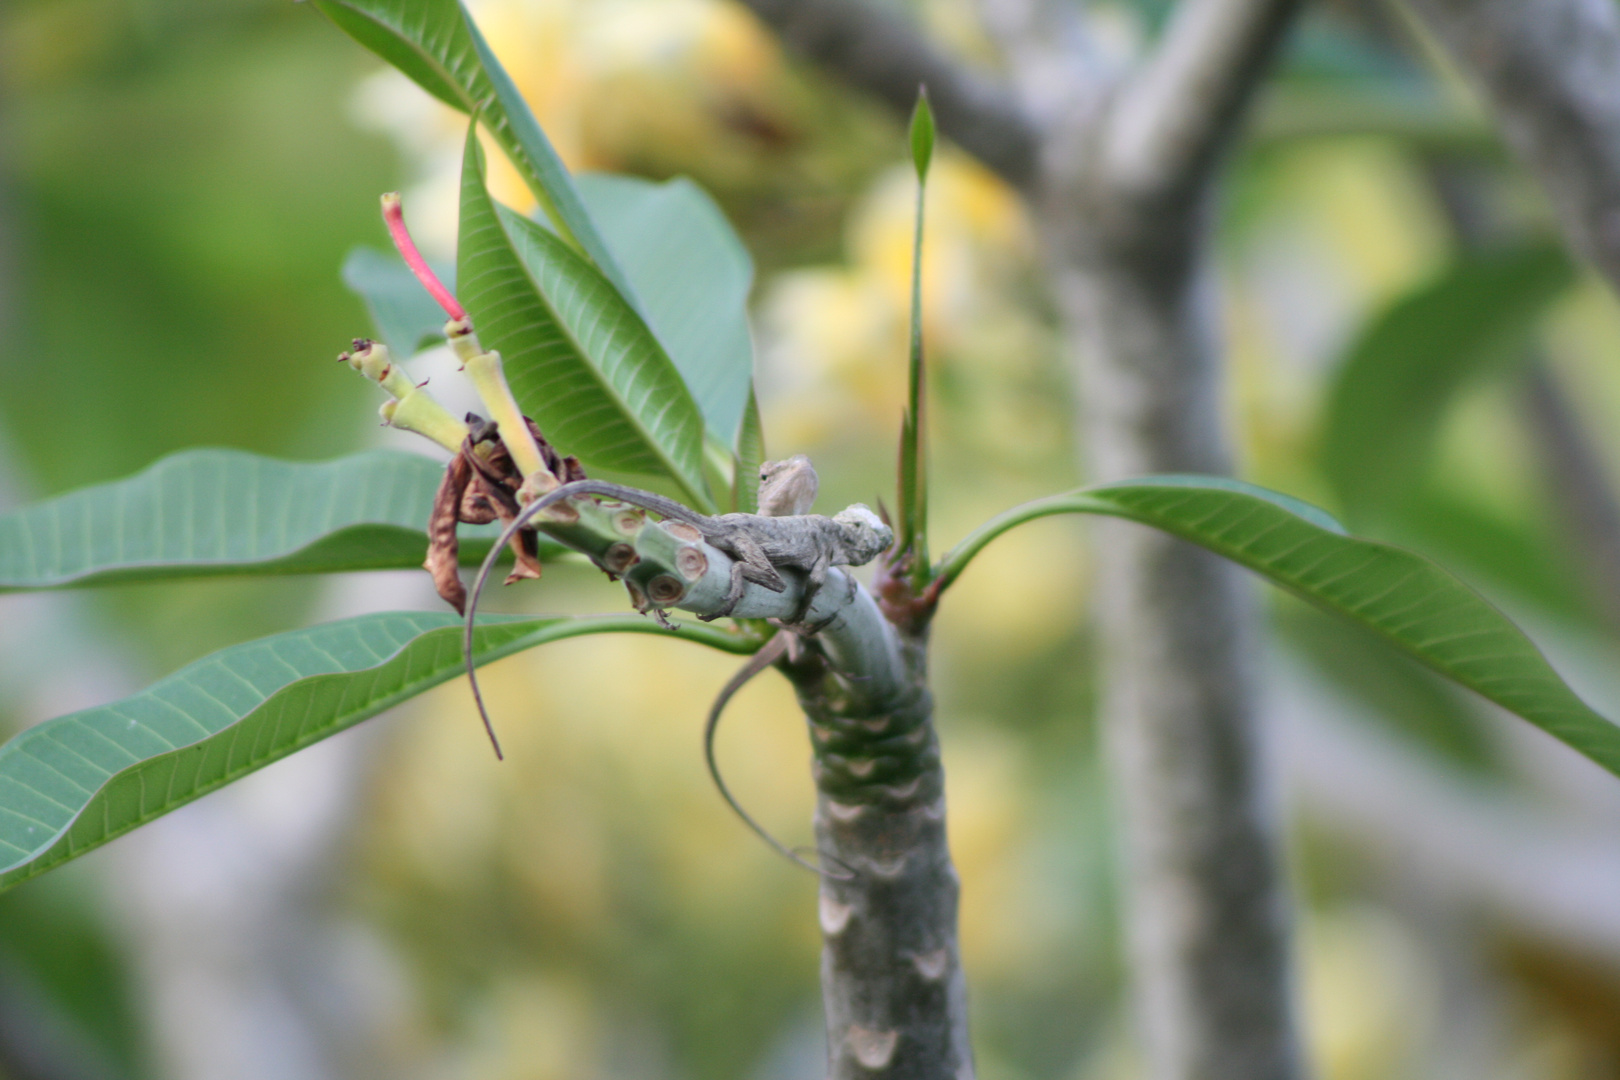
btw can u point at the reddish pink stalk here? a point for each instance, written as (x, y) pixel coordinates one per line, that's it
(394, 215)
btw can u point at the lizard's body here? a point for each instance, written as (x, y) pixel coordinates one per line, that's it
(761, 545)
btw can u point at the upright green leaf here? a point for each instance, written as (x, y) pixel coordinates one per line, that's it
(579, 359)
(911, 540)
(693, 275)
(750, 455)
(1410, 602)
(437, 45)
(73, 783)
(208, 512)
(1399, 376)
(403, 312)
(515, 128)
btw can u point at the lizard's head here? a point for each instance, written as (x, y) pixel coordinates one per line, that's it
(787, 488)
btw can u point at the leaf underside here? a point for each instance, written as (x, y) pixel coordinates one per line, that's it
(214, 511)
(1412, 603)
(73, 783)
(693, 275)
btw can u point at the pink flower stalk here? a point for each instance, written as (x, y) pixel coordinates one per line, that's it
(394, 215)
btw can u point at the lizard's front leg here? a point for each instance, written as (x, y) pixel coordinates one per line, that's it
(750, 565)
(814, 579)
(739, 582)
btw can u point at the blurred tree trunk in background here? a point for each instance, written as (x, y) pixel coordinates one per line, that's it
(1120, 174)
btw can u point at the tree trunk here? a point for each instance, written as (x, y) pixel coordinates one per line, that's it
(891, 971)
(1207, 913)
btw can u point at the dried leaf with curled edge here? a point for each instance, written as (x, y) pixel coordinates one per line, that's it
(477, 488)
(444, 548)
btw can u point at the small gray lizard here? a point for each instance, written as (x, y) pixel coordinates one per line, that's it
(757, 544)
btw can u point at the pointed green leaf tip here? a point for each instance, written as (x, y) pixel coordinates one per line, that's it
(922, 133)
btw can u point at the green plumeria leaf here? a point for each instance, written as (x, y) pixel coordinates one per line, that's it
(1398, 378)
(578, 357)
(71, 784)
(519, 133)
(1407, 600)
(402, 311)
(208, 512)
(693, 274)
(437, 45)
(699, 312)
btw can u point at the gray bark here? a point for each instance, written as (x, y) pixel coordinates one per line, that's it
(1128, 203)
(892, 982)
(1550, 70)
(1207, 914)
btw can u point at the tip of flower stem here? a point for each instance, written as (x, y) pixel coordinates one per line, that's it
(922, 133)
(394, 215)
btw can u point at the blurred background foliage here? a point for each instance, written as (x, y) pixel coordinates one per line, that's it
(179, 183)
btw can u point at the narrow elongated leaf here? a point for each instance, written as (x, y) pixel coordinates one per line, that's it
(73, 783)
(1413, 604)
(207, 512)
(750, 454)
(578, 358)
(1398, 378)
(403, 312)
(438, 46)
(692, 274)
(515, 128)
(911, 537)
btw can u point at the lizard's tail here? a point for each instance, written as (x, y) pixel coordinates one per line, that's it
(524, 516)
(766, 656)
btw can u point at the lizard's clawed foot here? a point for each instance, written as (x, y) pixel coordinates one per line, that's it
(727, 606)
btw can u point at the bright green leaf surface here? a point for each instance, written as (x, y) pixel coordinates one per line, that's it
(206, 512)
(73, 783)
(403, 312)
(578, 358)
(1398, 378)
(1410, 602)
(692, 274)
